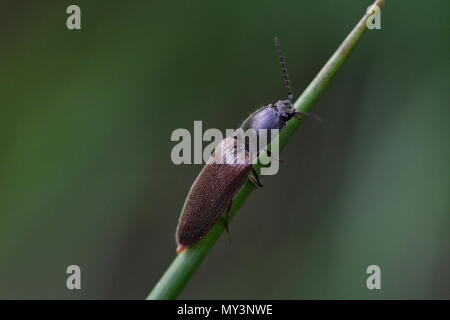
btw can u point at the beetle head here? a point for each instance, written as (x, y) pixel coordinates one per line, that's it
(284, 109)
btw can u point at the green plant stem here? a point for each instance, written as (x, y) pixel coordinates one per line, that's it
(177, 275)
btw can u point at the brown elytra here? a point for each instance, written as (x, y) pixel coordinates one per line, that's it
(212, 191)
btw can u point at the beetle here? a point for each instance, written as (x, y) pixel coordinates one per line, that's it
(228, 169)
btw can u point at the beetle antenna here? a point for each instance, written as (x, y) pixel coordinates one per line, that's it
(287, 83)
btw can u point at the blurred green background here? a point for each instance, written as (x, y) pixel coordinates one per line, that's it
(85, 170)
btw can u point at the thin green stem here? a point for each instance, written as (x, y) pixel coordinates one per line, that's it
(179, 272)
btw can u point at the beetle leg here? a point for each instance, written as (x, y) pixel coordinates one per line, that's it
(252, 179)
(255, 179)
(297, 115)
(275, 156)
(228, 210)
(227, 219)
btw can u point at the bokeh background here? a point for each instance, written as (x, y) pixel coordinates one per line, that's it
(85, 170)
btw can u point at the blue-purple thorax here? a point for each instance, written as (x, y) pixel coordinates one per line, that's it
(273, 116)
